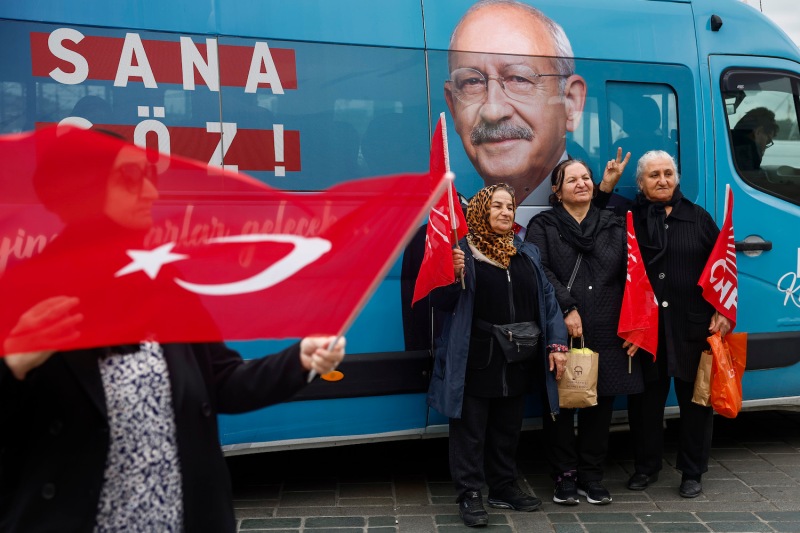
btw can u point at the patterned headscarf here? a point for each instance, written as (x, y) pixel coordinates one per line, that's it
(498, 248)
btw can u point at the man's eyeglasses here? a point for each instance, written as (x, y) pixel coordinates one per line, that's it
(519, 83)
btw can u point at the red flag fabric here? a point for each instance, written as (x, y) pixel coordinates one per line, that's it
(638, 319)
(436, 269)
(719, 280)
(104, 243)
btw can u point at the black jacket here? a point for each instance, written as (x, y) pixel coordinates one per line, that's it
(55, 434)
(596, 292)
(684, 315)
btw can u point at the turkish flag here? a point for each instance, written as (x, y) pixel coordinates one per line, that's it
(436, 269)
(719, 280)
(638, 319)
(104, 243)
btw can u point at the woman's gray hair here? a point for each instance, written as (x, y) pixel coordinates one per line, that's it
(650, 156)
(564, 63)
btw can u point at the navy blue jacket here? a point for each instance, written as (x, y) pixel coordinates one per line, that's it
(451, 350)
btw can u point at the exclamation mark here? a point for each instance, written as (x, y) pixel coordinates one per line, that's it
(277, 130)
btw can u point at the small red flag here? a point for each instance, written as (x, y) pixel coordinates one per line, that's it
(638, 319)
(445, 219)
(111, 244)
(719, 279)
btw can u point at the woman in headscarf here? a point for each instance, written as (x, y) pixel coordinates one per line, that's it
(584, 255)
(473, 382)
(676, 238)
(120, 437)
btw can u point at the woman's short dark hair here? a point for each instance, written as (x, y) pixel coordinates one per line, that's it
(557, 177)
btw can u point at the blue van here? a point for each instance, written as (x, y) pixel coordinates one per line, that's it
(308, 93)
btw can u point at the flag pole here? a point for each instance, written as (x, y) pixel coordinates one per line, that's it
(450, 176)
(453, 228)
(313, 373)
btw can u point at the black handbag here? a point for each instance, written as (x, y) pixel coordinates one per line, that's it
(517, 341)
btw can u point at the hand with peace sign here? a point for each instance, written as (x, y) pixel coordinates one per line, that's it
(613, 171)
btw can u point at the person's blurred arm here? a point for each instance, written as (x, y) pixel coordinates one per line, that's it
(51, 322)
(246, 385)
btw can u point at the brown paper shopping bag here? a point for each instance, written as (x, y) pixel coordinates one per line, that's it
(578, 385)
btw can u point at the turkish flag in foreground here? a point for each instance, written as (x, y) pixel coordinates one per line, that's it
(436, 269)
(719, 280)
(104, 243)
(638, 319)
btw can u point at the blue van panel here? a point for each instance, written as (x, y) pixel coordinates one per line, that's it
(646, 30)
(397, 23)
(326, 418)
(744, 31)
(187, 16)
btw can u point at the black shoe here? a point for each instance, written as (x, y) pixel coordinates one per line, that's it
(690, 488)
(512, 497)
(594, 492)
(640, 481)
(566, 491)
(471, 510)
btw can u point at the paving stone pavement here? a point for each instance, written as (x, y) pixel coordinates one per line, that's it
(753, 485)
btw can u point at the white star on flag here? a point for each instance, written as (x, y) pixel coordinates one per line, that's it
(150, 261)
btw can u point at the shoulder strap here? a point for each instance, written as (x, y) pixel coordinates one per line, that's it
(574, 271)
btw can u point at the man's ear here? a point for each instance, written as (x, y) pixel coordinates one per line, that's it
(574, 100)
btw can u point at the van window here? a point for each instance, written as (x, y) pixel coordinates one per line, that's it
(762, 114)
(12, 107)
(642, 117)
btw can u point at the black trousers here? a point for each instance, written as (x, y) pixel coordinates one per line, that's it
(585, 452)
(483, 443)
(646, 416)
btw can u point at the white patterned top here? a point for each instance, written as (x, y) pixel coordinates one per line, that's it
(142, 481)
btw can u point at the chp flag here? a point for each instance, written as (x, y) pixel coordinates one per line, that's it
(719, 279)
(107, 243)
(446, 223)
(638, 318)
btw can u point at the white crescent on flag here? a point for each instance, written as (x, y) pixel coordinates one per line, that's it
(306, 251)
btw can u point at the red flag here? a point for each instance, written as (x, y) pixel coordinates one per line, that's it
(719, 279)
(147, 246)
(445, 219)
(638, 318)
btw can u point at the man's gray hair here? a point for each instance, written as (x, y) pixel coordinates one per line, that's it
(650, 156)
(564, 63)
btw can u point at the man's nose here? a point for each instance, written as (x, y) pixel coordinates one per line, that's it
(497, 106)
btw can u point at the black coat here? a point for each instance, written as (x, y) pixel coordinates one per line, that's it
(596, 292)
(684, 315)
(55, 434)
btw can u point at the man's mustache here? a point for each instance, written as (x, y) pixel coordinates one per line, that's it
(502, 131)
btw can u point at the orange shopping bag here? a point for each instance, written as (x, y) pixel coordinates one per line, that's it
(730, 359)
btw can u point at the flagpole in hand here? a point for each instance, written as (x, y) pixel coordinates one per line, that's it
(437, 261)
(313, 373)
(453, 225)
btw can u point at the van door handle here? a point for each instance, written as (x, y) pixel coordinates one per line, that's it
(753, 246)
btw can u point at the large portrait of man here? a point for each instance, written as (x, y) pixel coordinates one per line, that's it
(513, 95)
